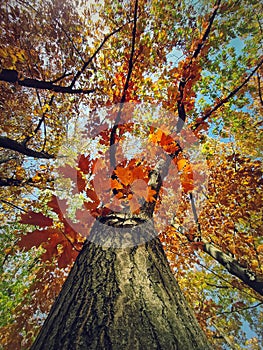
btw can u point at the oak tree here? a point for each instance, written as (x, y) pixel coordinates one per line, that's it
(131, 174)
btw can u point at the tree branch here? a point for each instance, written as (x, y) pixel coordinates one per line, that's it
(13, 205)
(7, 143)
(184, 79)
(207, 31)
(85, 65)
(126, 85)
(225, 337)
(10, 182)
(226, 99)
(232, 266)
(12, 76)
(259, 90)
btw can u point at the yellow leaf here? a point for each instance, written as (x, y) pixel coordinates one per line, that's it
(254, 263)
(8, 250)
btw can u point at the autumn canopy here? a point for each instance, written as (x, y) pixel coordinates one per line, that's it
(123, 113)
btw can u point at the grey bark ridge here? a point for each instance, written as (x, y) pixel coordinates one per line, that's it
(121, 299)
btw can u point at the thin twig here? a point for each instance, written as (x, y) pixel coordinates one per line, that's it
(236, 310)
(226, 99)
(85, 65)
(259, 89)
(13, 205)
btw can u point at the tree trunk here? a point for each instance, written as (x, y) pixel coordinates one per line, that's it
(121, 298)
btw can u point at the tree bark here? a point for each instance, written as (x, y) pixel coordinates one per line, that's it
(121, 298)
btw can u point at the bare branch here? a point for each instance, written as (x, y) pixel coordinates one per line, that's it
(12, 205)
(6, 182)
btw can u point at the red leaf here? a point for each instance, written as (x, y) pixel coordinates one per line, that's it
(38, 219)
(67, 256)
(84, 164)
(35, 238)
(115, 184)
(92, 195)
(81, 182)
(51, 246)
(91, 205)
(59, 206)
(32, 239)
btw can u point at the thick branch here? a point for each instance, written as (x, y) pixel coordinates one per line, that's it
(10, 182)
(233, 267)
(12, 76)
(6, 142)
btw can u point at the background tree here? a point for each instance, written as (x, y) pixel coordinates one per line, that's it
(60, 63)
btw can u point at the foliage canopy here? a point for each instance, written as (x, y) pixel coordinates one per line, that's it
(72, 71)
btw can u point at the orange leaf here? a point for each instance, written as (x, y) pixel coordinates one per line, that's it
(125, 175)
(115, 184)
(157, 136)
(150, 195)
(139, 173)
(181, 163)
(187, 186)
(186, 176)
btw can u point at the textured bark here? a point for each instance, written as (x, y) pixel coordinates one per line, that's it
(121, 298)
